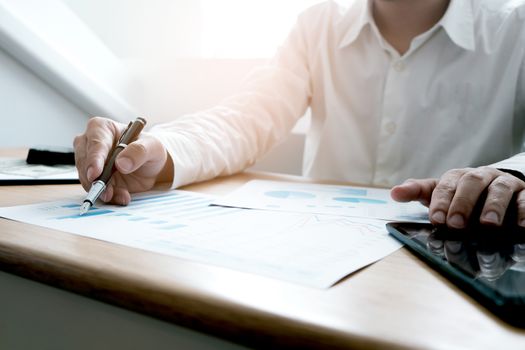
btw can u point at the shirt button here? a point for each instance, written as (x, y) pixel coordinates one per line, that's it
(390, 127)
(399, 66)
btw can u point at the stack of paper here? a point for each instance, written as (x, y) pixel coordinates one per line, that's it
(298, 240)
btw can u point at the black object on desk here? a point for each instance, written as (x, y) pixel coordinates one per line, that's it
(51, 156)
(486, 262)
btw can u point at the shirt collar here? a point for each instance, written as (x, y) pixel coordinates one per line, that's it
(458, 22)
(357, 16)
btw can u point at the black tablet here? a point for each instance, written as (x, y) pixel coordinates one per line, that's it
(487, 263)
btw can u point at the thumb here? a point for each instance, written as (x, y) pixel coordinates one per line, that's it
(414, 190)
(144, 151)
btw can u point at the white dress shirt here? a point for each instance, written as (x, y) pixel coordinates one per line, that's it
(455, 99)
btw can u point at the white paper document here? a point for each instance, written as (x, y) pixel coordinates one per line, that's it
(17, 170)
(309, 249)
(363, 202)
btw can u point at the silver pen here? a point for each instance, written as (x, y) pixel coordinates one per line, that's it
(99, 185)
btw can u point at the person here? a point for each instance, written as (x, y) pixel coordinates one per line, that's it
(431, 91)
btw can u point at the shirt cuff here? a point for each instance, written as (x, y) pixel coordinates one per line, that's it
(178, 170)
(518, 174)
(514, 166)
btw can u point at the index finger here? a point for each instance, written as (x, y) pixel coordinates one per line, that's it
(442, 196)
(100, 134)
(414, 190)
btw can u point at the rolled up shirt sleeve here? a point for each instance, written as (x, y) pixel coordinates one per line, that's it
(231, 136)
(516, 164)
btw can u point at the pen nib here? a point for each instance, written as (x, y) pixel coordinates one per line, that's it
(84, 208)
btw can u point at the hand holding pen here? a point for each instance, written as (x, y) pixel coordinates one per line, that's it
(137, 167)
(129, 135)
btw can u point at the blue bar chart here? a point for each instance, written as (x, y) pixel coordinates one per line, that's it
(313, 250)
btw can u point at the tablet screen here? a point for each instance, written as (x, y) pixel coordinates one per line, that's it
(486, 262)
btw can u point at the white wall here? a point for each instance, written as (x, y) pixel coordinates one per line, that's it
(32, 112)
(187, 85)
(144, 29)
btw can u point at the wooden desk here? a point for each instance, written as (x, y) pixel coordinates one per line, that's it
(398, 302)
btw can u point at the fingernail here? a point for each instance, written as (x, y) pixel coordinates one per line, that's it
(90, 174)
(457, 221)
(439, 217)
(491, 217)
(124, 164)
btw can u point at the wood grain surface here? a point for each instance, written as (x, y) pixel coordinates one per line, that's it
(396, 303)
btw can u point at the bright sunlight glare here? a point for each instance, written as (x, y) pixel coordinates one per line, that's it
(247, 28)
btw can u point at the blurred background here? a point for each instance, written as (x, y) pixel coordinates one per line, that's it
(62, 61)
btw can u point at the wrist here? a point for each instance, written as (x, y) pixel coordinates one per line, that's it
(166, 174)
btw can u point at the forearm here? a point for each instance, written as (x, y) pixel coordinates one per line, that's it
(232, 136)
